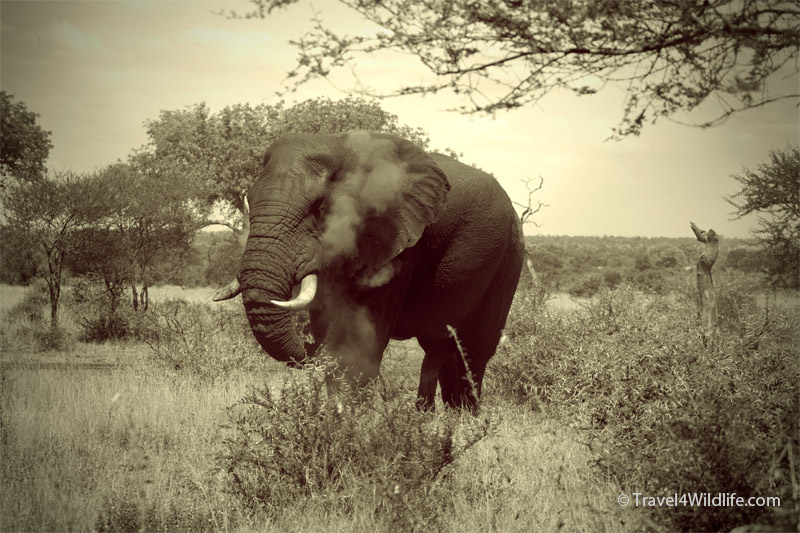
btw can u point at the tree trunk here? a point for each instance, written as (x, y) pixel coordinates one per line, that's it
(707, 297)
(53, 304)
(54, 285)
(144, 298)
(135, 296)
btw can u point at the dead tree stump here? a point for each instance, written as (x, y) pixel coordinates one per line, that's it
(707, 297)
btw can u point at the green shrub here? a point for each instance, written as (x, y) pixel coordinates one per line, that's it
(664, 413)
(588, 286)
(297, 445)
(25, 327)
(101, 313)
(201, 339)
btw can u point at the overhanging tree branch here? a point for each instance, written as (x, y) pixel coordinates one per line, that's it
(504, 55)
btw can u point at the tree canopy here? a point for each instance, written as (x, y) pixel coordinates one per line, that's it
(216, 156)
(145, 220)
(772, 190)
(24, 145)
(668, 55)
(50, 212)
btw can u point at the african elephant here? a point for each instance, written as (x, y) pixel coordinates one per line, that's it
(379, 240)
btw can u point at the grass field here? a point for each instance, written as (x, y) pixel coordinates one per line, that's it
(84, 446)
(107, 437)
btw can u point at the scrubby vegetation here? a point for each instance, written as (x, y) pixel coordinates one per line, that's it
(193, 428)
(209, 342)
(582, 266)
(662, 412)
(296, 446)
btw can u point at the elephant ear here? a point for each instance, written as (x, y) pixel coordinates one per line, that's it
(391, 191)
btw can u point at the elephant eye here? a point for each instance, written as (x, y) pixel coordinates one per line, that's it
(318, 207)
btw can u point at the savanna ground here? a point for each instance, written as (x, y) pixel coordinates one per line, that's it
(187, 426)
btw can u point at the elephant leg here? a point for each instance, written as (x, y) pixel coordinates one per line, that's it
(352, 341)
(361, 323)
(435, 355)
(479, 337)
(445, 364)
(461, 375)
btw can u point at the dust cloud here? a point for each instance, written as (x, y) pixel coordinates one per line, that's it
(379, 278)
(368, 189)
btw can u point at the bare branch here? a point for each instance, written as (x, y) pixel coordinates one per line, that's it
(499, 56)
(527, 209)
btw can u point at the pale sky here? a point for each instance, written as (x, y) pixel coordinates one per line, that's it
(95, 71)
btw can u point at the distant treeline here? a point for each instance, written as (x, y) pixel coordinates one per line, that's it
(583, 265)
(561, 262)
(212, 259)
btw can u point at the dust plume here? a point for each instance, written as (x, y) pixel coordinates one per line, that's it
(367, 189)
(379, 278)
(369, 186)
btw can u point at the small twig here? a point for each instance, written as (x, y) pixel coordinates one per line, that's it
(474, 388)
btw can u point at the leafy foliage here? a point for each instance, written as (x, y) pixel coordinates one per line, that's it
(773, 191)
(23, 327)
(50, 212)
(217, 155)
(663, 413)
(502, 55)
(145, 221)
(296, 444)
(18, 261)
(205, 341)
(24, 145)
(95, 306)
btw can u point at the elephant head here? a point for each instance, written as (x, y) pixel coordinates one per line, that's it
(333, 208)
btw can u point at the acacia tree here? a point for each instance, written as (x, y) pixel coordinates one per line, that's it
(670, 55)
(323, 115)
(217, 156)
(24, 145)
(773, 191)
(50, 212)
(146, 218)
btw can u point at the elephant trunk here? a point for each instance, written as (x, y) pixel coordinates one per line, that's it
(265, 278)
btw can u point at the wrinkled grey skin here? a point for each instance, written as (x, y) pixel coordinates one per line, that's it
(445, 249)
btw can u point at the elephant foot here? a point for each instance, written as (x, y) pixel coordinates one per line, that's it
(425, 404)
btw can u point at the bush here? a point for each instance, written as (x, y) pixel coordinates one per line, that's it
(101, 313)
(612, 278)
(588, 286)
(651, 280)
(296, 445)
(643, 262)
(204, 340)
(54, 339)
(25, 326)
(664, 413)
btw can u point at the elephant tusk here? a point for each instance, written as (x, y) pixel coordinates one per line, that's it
(227, 292)
(308, 289)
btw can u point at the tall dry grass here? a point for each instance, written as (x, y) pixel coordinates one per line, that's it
(138, 448)
(118, 449)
